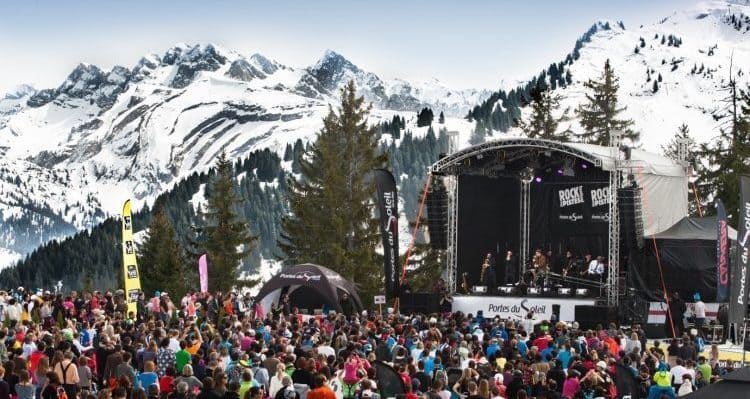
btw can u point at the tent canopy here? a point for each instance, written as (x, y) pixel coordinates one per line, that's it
(734, 385)
(687, 248)
(309, 287)
(692, 228)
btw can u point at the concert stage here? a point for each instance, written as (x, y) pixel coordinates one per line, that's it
(514, 308)
(512, 196)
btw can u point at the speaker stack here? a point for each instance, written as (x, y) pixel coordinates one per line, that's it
(437, 214)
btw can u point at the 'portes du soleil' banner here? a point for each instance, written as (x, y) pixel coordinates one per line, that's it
(203, 272)
(388, 207)
(129, 264)
(738, 298)
(722, 254)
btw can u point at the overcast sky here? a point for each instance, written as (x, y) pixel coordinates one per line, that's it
(462, 43)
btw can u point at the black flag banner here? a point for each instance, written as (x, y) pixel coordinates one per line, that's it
(388, 209)
(722, 253)
(738, 298)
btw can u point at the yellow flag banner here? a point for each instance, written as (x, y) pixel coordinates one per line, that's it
(130, 266)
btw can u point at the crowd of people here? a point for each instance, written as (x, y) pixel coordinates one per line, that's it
(206, 346)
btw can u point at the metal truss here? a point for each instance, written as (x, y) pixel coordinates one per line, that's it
(453, 163)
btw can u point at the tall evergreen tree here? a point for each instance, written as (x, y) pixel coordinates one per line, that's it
(441, 118)
(160, 257)
(542, 122)
(725, 158)
(225, 238)
(331, 221)
(683, 133)
(479, 135)
(598, 115)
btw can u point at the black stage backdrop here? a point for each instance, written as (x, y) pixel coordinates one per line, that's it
(570, 215)
(488, 218)
(567, 212)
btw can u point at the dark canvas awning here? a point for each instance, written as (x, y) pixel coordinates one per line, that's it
(734, 385)
(692, 228)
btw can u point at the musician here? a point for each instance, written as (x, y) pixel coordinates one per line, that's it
(540, 262)
(569, 264)
(487, 275)
(511, 268)
(596, 269)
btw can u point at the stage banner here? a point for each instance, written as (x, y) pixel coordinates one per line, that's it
(598, 196)
(738, 299)
(387, 198)
(203, 272)
(129, 264)
(722, 254)
(569, 206)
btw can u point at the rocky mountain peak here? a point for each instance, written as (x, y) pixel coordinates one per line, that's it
(267, 66)
(20, 92)
(192, 59)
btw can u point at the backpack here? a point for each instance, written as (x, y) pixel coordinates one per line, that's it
(61, 393)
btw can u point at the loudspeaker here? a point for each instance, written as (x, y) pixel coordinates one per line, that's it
(589, 316)
(631, 216)
(437, 214)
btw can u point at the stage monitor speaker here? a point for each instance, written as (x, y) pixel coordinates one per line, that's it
(437, 214)
(589, 316)
(479, 289)
(631, 216)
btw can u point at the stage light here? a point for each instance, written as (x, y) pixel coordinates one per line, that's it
(564, 291)
(559, 171)
(584, 166)
(582, 291)
(538, 179)
(479, 289)
(506, 290)
(534, 291)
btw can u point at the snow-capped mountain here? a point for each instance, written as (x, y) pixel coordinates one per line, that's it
(688, 54)
(72, 154)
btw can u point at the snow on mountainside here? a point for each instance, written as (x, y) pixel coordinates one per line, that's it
(72, 154)
(687, 53)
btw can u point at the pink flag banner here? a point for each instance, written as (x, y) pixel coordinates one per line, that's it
(203, 272)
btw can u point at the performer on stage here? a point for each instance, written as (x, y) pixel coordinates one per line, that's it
(540, 265)
(569, 264)
(487, 276)
(596, 269)
(511, 268)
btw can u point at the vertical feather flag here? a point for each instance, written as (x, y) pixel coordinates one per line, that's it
(129, 264)
(203, 272)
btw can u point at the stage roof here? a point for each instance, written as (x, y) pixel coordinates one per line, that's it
(664, 181)
(601, 156)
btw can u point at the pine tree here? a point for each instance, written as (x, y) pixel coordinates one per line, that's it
(598, 116)
(479, 135)
(441, 118)
(160, 257)
(655, 88)
(725, 157)
(330, 221)
(225, 238)
(683, 133)
(542, 122)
